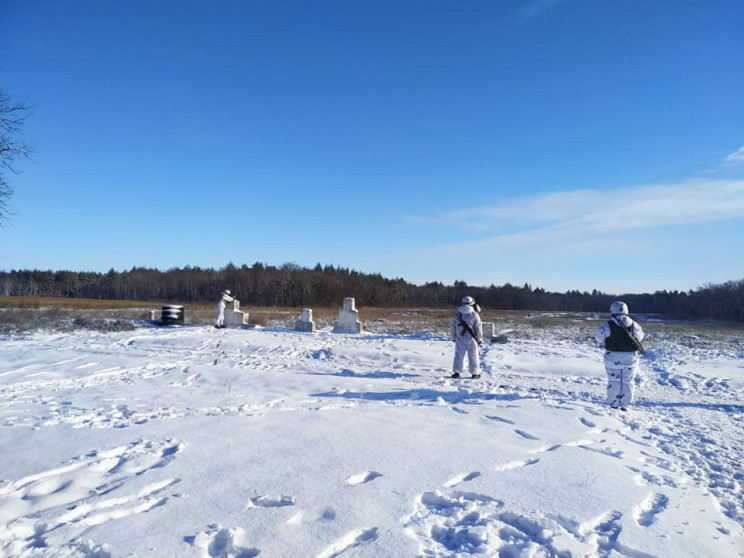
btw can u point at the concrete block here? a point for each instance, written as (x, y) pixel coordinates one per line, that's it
(347, 318)
(488, 331)
(234, 316)
(305, 323)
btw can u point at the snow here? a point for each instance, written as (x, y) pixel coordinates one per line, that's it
(192, 441)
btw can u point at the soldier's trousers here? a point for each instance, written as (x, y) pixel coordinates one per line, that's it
(621, 371)
(465, 344)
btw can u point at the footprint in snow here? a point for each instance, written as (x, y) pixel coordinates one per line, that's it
(646, 513)
(352, 539)
(363, 478)
(547, 448)
(516, 464)
(587, 422)
(57, 493)
(268, 502)
(617, 454)
(500, 419)
(526, 435)
(223, 543)
(456, 524)
(312, 515)
(464, 477)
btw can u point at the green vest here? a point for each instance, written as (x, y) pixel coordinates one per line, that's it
(619, 339)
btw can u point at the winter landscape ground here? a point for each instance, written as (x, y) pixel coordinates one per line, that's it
(192, 441)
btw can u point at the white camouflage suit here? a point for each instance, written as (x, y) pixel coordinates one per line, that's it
(464, 342)
(225, 297)
(621, 366)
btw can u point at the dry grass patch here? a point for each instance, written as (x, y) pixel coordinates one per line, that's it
(71, 303)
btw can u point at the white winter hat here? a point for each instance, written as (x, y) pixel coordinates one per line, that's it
(619, 307)
(469, 300)
(226, 291)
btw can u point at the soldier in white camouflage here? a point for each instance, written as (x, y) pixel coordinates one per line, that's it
(225, 297)
(466, 331)
(621, 338)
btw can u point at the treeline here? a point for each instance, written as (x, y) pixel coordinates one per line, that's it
(326, 286)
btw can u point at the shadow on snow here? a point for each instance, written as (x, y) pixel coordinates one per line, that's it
(426, 395)
(377, 374)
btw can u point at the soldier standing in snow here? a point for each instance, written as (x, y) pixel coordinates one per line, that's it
(224, 297)
(621, 338)
(466, 331)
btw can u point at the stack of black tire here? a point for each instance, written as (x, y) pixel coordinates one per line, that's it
(172, 315)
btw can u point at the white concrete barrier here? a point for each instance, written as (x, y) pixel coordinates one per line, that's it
(347, 319)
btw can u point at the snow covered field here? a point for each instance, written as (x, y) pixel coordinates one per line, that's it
(266, 442)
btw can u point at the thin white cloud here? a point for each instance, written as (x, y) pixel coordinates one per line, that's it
(554, 206)
(692, 202)
(566, 217)
(735, 158)
(537, 7)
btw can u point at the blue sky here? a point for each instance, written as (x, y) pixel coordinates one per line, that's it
(569, 144)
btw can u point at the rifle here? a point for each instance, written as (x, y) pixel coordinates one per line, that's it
(467, 328)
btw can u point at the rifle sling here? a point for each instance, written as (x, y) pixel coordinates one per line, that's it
(635, 341)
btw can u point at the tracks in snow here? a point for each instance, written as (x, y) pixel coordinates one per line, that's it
(673, 441)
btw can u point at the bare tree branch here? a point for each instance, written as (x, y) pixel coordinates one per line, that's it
(12, 119)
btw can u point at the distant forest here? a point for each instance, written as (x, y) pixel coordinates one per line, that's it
(326, 286)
